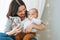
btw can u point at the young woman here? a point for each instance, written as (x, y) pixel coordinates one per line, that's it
(18, 8)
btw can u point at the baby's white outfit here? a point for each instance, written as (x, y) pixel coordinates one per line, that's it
(27, 22)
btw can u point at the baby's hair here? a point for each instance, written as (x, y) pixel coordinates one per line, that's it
(35, 9)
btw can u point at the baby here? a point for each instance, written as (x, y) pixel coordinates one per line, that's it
(32, 19)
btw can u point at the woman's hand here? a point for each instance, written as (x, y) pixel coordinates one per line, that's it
(15, 30)
(14, 24)
(28, 28)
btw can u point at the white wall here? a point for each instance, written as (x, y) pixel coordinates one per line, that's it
(3, 11)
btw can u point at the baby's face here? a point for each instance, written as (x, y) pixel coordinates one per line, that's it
(32, 14)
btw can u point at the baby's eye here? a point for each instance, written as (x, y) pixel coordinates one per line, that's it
(32, 14)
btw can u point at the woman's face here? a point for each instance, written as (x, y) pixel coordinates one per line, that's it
(21, 11)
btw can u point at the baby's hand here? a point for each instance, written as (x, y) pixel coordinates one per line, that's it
(30, 17)
(14, 24)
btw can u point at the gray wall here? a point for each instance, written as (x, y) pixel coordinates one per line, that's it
(51, 15)
(55, 9)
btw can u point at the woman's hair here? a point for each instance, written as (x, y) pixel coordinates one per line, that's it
(13, 8)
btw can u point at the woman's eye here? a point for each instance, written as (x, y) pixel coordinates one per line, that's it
(24, 10)
(20, 11)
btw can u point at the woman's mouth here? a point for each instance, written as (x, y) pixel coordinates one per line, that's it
(22, 14)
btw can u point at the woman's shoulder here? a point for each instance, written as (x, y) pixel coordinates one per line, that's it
(9, 21)
(13, 18)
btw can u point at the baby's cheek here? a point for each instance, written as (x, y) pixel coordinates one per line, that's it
(29, 17)
(35, 16)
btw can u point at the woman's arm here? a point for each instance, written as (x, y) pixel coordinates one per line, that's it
(9, 30)
(39, 27)
(14, 31)
(8, 27)
(35, 26)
